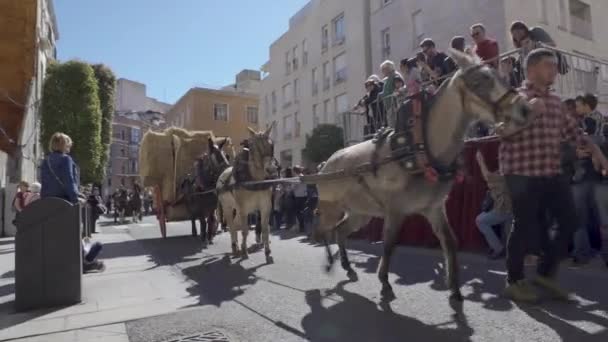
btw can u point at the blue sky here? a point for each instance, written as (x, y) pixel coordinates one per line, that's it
(172, 45)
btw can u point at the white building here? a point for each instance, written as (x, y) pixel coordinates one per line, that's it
(131, 97)
(577, 26)
(24, 165)
(316, 70)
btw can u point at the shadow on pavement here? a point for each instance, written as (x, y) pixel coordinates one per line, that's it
(7, 275)
(371, 323)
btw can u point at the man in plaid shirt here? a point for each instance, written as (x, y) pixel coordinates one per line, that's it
(530, 162)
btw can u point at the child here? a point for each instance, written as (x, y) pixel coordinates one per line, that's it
(33, 194)
(19, 199)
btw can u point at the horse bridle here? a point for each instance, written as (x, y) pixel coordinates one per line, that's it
(496, 105)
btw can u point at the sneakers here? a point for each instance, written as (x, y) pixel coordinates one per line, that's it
(551, 286)
(94, 267)
(521, 291)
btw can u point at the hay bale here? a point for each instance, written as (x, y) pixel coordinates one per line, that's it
(165, 158)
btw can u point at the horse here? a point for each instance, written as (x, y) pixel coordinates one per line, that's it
(199, 191)
(238, 200)
(135, 204)
(390, 189)
(121, 199)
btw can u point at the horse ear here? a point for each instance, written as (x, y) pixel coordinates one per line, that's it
(462, 59)
(211, 144)
(252, 131)
(269, 129)
(221, 146)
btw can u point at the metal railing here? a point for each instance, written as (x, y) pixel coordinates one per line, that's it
(584, 74)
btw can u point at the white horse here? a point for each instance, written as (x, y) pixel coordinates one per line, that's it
(237, 200)
(392, 191)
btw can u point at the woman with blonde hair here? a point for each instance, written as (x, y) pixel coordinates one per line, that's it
(59, 173)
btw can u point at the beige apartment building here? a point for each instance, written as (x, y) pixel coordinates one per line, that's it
(577, 26)
(227, 111)
(316, 69)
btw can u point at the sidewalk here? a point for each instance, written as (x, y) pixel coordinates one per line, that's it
(132, 287)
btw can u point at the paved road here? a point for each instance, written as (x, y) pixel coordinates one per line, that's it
(294, 300)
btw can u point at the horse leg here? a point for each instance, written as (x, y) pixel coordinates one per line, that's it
(211, 227)
(442, 230)
(354, 223)
(244, 225)
(265, 227)
(233, 236)
(392, 225)
(193, 223)
(204, 224)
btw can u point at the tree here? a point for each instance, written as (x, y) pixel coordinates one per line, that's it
(323, 142)
(106, 83)
(70, 104)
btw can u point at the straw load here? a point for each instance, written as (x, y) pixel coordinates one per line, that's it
(166, 158)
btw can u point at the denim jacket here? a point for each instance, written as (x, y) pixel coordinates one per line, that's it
(60, 177)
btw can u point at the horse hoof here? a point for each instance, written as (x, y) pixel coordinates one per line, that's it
(269, 259)
(245, 256)
(352, 275)
(387, 293)
(210, 242)
(456, 296)
(328, 268)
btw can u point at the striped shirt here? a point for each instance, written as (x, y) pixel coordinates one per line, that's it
(535, 151)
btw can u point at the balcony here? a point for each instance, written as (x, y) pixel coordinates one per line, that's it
(581, 28)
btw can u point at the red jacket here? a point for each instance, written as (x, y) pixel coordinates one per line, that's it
(486, 50)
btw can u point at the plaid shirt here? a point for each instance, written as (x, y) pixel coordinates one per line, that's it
(535, 151)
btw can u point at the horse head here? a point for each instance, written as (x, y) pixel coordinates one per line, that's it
(261, 149)
(212, 163)
(486, 96)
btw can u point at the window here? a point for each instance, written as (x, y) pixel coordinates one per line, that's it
(326, 108)
(326, 78)
(295, 58)
(123, 168)
(386, 43)
(324, 38)
(133, 152)
(135, 135)
(340, 69)
(287, 63)
(315, 86)
(134, 169)
(122, 152)
(304, 53)
(580, 19)
(288, 127)
(542, 11)
(563, 15)
(252, 114)
(287, 95)
(297, 125)
(122, 134)
(266, 106)
(295, 90)
(274, 102)
(315, 115)
(339, 32)
(418, 27)
(341, 104)
(220, 112)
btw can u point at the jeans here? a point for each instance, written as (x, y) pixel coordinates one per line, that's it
(600, 194)
(277, 218)
(94, 251)
(584, 202)
(532, 196)
(485, 222)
